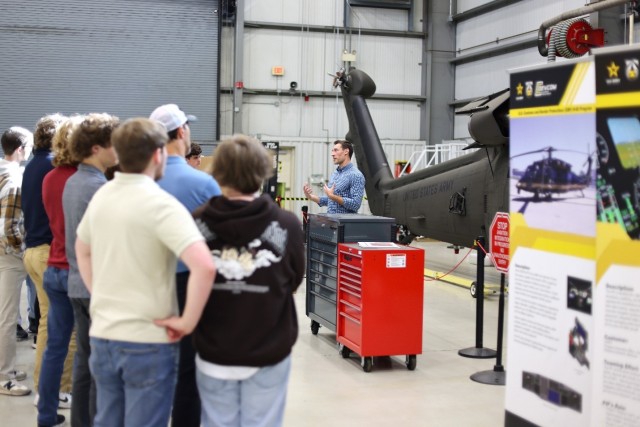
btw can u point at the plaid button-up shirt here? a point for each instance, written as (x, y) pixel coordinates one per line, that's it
(349, 184)
(11, 218)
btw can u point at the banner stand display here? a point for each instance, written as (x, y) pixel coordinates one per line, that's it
(574, 275)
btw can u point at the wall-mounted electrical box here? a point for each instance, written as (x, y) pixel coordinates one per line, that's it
(349, 56)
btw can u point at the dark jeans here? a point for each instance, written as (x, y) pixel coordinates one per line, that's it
(186, 403)
(59, 328)
(83, 409)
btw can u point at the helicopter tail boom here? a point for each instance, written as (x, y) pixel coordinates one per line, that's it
(356, 86)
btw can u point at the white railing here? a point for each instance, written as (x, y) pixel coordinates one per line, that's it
(435, 154)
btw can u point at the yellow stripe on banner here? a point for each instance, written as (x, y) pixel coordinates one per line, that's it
(615, 100)
(615, 247)
(575, 82)
(552, 110)
(549, 241)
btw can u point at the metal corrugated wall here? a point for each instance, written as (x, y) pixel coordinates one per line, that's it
(509, 24)
(318, 12)
(395, 64)
(124, 57)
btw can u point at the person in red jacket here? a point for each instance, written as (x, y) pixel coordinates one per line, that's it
(60, 318)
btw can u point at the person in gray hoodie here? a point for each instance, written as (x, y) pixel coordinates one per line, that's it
(91, 145)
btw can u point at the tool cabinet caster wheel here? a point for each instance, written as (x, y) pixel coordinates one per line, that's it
(473, 289)
(315, 327)
(367, 363)
(344, 351)
(411, 362)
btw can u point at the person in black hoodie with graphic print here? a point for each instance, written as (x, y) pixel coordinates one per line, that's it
(244, 338)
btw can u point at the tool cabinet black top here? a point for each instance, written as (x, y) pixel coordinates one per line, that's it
(325, 231)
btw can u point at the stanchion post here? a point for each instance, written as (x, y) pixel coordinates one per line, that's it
(479, 352)
(497, 376)
(305, 221)
(498, 367)
(480, 293)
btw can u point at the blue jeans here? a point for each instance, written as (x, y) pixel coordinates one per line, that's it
(59, 328)
(135, 382)
(31, 301)
(257, 401)
(31, 297)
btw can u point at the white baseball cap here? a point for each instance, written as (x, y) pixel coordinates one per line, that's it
(171, 116)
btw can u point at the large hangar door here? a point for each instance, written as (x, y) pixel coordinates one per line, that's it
(124, 57)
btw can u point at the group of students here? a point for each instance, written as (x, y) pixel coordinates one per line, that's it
(178, 284)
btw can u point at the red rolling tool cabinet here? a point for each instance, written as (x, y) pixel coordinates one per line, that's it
(379, 301)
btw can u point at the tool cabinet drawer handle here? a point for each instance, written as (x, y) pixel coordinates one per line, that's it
(353, 319)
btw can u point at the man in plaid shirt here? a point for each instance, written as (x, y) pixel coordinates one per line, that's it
(16, 142)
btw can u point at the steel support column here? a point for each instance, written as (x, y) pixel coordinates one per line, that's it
(238, 66)
(439, 73)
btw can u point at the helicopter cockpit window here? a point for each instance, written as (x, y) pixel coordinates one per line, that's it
(625, 132)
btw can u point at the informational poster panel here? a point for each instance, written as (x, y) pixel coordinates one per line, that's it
(574, 314)
(553, 231)
(616, 367)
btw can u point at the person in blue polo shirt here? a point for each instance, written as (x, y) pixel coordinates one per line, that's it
(192, 188)
(344, 192)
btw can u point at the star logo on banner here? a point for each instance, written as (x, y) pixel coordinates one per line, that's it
(631, 69)
(613, 70)
(519, 89)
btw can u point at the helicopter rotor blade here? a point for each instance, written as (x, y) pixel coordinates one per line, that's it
(542, 150)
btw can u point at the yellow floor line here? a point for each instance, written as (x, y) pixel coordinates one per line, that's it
(455, 280)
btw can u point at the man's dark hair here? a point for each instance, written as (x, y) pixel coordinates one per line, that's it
(174, 133)
(14, 138)
(196, 150)
(345, 145)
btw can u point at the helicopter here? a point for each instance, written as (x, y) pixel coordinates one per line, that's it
(454, 201)
(552, 175)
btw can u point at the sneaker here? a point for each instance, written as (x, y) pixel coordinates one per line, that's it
(21, 334)
(13, 388)
(64, 400)
(17, 375)
(59, 421)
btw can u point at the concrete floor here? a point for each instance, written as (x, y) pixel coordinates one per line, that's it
(327, 390)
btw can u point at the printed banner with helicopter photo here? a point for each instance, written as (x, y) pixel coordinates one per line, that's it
(553, 231)
(574, 314)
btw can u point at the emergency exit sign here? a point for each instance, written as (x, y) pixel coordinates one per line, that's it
(277, 71)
